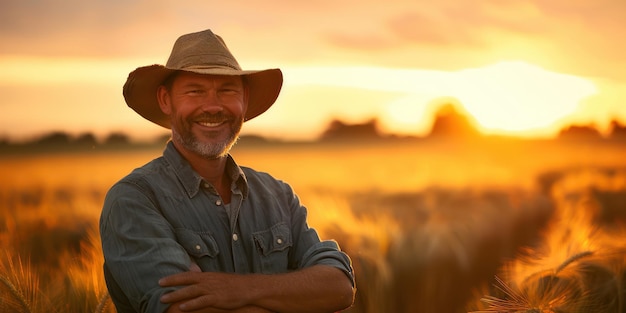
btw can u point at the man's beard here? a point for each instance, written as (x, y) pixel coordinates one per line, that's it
(189, 141)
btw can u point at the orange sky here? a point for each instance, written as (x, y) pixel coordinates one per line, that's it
(519, 67)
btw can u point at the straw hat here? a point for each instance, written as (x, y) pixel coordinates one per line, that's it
(203, 53)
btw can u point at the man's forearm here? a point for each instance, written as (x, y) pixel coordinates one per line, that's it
(316, 289)
(174, 308)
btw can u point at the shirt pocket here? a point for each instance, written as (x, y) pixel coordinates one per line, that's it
(197, 244)
(273, 248)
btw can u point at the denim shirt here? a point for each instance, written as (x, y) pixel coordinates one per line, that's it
(163, 216)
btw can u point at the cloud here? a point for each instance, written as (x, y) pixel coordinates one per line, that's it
(453, 24)
(71, 28)
(577, 37)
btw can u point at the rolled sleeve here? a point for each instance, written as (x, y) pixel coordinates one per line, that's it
(328, 253)
(310, 250)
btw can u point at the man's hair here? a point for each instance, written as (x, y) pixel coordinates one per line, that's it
(169, 80)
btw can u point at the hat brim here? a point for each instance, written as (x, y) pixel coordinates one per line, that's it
(140, 89)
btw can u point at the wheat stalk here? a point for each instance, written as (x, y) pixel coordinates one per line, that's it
(516, 302)
(103, 304)
(572, 259)
(15, 294)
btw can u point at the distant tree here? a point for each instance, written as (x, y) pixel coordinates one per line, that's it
(5, 144)
(618, 131)
(162, 139)
(86, 140)
(340, 130)
(117, 138)
(55, 138)
(580, 132)
(449, 122)
(253, 139)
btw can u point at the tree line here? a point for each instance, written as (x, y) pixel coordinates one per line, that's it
(448, 123)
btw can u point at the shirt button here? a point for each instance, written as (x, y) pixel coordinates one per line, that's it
(206, 185)
(218, 202)
(235, 237)
(279, 241)
(198, 247)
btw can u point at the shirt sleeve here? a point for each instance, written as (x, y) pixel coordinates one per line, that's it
(309, 249)
(139, 246)
(328, 253)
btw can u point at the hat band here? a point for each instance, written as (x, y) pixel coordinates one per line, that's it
(204, 61)
(210, 67)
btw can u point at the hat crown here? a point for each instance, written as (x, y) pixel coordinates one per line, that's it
(201, 50)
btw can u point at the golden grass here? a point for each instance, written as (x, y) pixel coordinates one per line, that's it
(580, 263)
(18, 287)
(430, 226)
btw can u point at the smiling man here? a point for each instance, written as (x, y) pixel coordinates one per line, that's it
(221, 101)
(192, 231)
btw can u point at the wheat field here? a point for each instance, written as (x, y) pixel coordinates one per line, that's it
(431, 226)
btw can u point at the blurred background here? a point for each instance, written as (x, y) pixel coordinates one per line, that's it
(469, 156)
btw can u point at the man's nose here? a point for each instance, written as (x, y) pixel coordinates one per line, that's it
(212, 104)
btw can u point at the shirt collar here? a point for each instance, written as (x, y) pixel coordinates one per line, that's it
(191, 181)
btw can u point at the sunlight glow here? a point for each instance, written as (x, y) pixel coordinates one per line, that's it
(38, 70)
(517, 97)
(507, 97)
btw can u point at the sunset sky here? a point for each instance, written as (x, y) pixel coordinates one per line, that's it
(517, 67)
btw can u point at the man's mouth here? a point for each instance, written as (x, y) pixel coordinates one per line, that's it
(212, 120)
(211, 124)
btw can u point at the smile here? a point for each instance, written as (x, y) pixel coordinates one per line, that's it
(211, 124)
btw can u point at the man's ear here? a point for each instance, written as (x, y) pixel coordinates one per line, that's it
(164, 100)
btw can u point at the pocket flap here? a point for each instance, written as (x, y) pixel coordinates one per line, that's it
(197, 244)
(277, 238)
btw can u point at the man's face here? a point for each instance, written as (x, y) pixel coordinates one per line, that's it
(206, 112)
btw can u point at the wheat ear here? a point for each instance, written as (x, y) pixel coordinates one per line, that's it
(16, 293)
(103, 304)
(572, 259)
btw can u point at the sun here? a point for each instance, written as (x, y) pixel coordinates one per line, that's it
(519, 98)
(510, 98)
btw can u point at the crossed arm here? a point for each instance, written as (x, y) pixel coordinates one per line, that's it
(318, 288)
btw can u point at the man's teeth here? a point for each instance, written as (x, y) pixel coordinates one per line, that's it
(210, 124)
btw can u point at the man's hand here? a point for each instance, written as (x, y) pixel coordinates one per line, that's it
(176, 307)
(205, 290)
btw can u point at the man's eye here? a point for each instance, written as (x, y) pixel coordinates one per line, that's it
(195, 92)
(229, 91)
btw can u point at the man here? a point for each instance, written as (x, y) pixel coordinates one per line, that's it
(192, 231)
